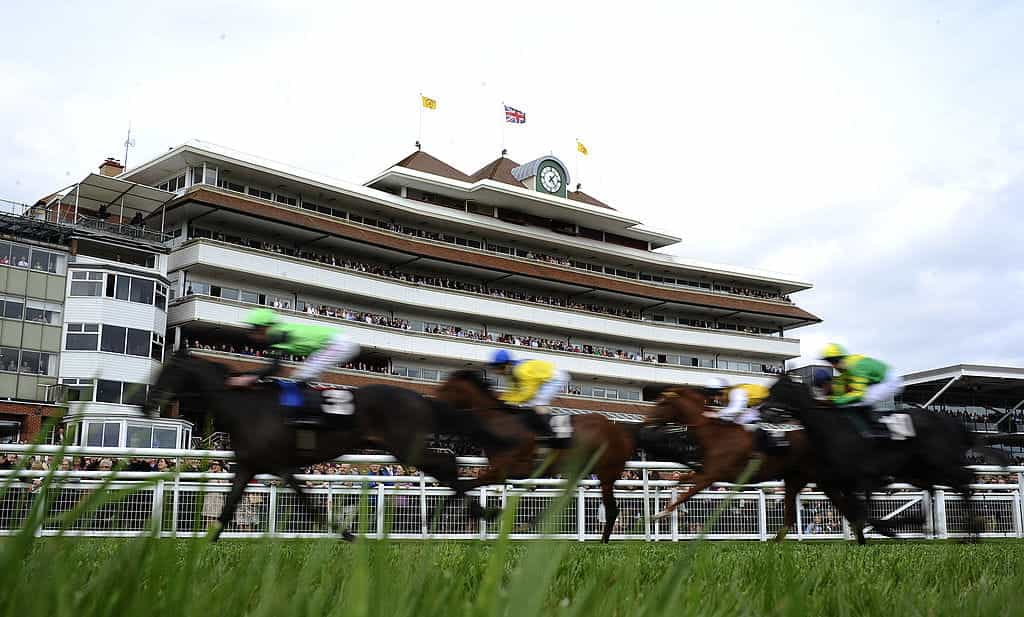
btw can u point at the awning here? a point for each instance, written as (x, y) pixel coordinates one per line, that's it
(97, 190)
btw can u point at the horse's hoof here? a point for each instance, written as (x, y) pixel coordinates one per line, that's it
(662, 514)
(476, 510)
(348, 536)
(213, 533)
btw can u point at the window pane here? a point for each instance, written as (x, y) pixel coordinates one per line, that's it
(14, 309)
(123, 287)
(228, 293)
(111, 431)
(84, 288)
(29, 361)
(79, 393)
(142, 291)
(138, 342)
(82, 342)
(158, 351)
(8, 359)
(139, 436)
(108, 391)
(95, 434)
(113, 339)
(134, 394)
(40, 260)
(161, 298)
(5, 253)
(250, 296)
(165, 438)
(19, 256)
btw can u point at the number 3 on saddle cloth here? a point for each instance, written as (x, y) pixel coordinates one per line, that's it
(317, 406)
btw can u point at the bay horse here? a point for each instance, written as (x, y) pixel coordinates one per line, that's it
(727, 448)
(846, 461)
(395, 419)
(511, 447)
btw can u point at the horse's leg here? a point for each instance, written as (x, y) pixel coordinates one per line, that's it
(227, 513)
(445, 469)
(793, 488)
(611, 508)
(850, 509)
(304, 501)
(700, 482)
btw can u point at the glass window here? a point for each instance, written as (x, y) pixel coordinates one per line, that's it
(8, 359)
(94, 436)
(414, 373)
(122, 291)
(111, 431)
(108, 391)
(134, 394)
(211, 176)
(197, 287)
(113, 339)
(14, 309)
(139, 342)
(45, 260)
(82, 337)
(142, 291)
(38, 363)
(197, 175)
(86, 283)
(79, 389)
(139, 436)
(158, 348)
(5, 253)
(165, 437)
(249, 296)
(228, 293)
(19, 255)
(160, 300)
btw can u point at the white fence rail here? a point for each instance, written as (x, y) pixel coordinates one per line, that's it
(183, 505)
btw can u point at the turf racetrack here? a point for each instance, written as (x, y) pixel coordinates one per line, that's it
(72, 577)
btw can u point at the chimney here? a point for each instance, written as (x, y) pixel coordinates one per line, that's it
(111, 167)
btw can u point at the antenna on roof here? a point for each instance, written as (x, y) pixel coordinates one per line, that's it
(128, 143)
(504, 151)
(418, 146)
(578, 186)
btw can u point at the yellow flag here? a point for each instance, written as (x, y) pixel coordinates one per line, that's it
(581, 148)
(429, 103)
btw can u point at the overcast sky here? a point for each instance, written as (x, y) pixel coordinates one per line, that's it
(875, 150)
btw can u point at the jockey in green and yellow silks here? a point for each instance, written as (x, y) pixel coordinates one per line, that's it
(862, 380)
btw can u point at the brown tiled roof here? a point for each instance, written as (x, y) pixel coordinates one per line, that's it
(582, 197)
(421, 161)
(455, 254)
(499, 170)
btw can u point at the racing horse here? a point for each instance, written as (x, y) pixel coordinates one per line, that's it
(395, 419)
(935, 454)
(726, 449)
(511, 446)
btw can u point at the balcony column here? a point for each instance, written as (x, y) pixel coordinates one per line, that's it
(78, 190)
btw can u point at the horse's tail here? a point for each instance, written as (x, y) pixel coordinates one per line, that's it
(452, 421)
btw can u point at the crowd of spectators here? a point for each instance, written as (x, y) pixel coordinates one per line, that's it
(383, 367)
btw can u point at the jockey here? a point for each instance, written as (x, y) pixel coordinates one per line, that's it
(743, 401)
(821, 379)
(862, 382)
(323, 347)
(532, 384)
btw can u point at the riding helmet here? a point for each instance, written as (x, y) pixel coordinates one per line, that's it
(821, 376)
(500, 357)
(261, 318)
(833, 351)
(715, 384)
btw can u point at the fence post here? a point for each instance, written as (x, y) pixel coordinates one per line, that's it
(175, 505)
(272, 515)
(424, 523)
(330, 508)
(940, 514)
(581, 519)
(647, 502)
(674, 517)
(762, 515)
(380, 510)
(929, 514)
(800, 519)
(483, 520)
(157, 511)
(1018, 519)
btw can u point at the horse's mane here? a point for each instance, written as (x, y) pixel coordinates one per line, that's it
(474, 377)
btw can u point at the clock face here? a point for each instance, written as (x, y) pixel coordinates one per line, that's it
(550, 179)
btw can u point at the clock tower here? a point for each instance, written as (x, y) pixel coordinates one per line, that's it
(546, 175)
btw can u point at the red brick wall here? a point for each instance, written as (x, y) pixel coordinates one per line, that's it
(30, 414)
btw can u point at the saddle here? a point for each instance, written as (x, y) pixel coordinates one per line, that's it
(317, 406)
(894, 425)
(550, 430)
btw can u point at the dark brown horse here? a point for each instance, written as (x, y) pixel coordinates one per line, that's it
(511, 447)
(727, 448)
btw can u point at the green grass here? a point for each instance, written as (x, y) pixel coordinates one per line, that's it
(86, 577)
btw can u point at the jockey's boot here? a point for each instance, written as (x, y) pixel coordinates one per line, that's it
(873, 427)
(539, 424)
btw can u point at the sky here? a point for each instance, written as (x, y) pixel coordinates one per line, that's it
(875, 150)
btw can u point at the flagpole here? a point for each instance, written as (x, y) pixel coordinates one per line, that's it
(419, 133)
(577, 172)
(503, 123)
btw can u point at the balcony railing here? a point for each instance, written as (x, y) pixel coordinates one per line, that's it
(137, 232)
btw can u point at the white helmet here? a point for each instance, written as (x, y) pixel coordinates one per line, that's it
(716, 383)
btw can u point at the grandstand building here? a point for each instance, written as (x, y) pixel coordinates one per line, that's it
(430, 268)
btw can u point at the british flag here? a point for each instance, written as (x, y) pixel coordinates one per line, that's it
(514, 116)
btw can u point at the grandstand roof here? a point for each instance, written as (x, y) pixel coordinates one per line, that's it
(967, 384)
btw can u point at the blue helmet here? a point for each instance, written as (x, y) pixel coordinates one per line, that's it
(501, 357)
(821, 376)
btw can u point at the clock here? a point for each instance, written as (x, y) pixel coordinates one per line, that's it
(550, 178)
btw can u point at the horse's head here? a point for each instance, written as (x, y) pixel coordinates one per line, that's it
(466, 389)
(789, 395)
(680, 405)
(183, 375)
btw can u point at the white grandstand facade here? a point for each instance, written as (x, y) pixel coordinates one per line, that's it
(430, 269)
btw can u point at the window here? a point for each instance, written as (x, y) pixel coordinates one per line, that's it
(19, 256)
(255, 192)
(134, 393)
(139, 342)
(38, 363)
(108, 391)
(118, 286)
(79, 389)
(232, 186)
(249, 296)
(197, 175)
(284, 199)
(160, 301)
(172, 185)
(165, 437)
(228, 293)
(430, 374)
(103, 434)
(84, 283)
(8, 359)
(196, 287)
(139, 436)
(142, 291)
(113, 339)
(158, 348)
(13, 308)
(47, 261)
(5, 253)
(82, 337)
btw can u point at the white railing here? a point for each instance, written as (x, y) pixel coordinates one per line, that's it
(183, 505)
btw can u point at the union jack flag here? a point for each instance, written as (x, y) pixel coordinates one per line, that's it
(514, 116)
